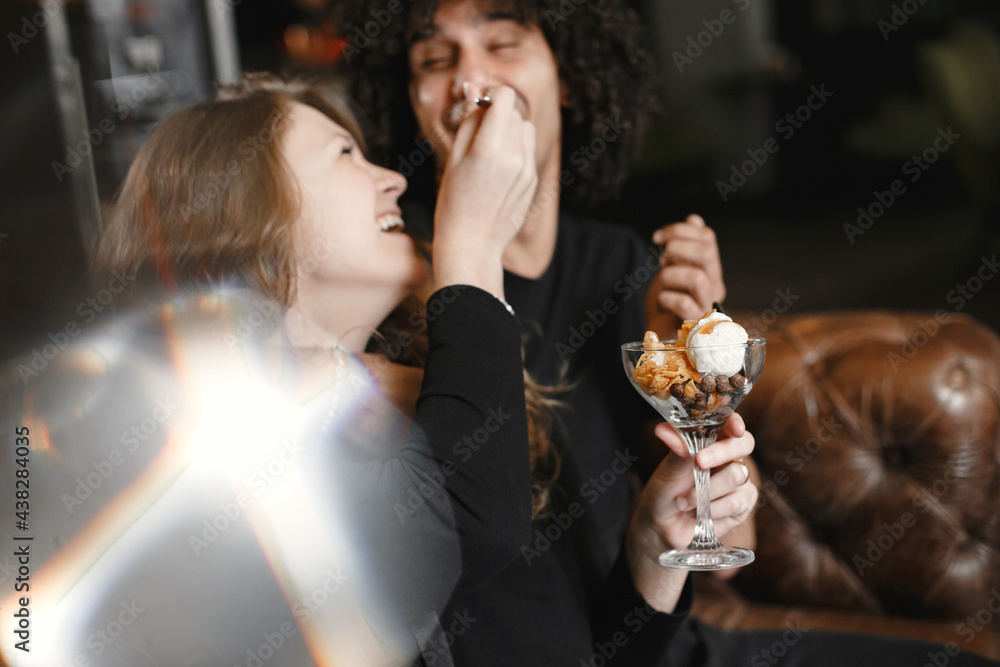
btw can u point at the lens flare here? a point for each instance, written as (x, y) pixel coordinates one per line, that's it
(187, 501)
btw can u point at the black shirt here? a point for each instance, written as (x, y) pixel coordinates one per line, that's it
(570, 592)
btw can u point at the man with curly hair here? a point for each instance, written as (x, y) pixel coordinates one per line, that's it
(588, 589)
(584, 80)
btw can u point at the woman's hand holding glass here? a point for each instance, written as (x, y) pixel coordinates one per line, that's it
(665, 516)
(487, 187)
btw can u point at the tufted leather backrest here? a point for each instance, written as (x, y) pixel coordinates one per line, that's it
(878, 442)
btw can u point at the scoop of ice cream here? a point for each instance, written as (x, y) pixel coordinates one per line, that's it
(712, 345)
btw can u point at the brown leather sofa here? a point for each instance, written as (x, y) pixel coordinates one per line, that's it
(878, 447)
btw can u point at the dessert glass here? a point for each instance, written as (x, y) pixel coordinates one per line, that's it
(698, 422)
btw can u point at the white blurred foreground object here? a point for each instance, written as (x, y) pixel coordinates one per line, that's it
(193, 497)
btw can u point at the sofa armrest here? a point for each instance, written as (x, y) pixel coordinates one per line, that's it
(878, 443)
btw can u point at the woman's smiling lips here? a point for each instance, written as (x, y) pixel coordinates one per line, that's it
(390, 221)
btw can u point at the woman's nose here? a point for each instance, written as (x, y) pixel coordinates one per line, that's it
(391, 183)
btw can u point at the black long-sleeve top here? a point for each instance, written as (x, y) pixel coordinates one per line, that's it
(451, 510)
(569, 599)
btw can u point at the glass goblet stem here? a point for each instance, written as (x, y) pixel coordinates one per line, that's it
(698, 438)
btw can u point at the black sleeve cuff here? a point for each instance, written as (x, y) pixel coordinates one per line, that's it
(627, 631)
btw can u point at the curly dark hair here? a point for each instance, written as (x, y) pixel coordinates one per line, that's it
(598, 46)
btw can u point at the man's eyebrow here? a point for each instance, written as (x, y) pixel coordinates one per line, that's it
(422, 34)
(430, 30)
(499, 15)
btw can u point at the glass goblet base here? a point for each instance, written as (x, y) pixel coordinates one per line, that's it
(719, 558)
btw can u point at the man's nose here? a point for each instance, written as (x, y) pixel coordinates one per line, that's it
(472, 76)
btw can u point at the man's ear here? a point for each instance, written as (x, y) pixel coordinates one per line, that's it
(565, 94)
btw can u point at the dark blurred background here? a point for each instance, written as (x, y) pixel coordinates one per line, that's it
(85, 82)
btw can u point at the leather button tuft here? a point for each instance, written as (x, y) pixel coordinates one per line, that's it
(894, 455)
(958, 377)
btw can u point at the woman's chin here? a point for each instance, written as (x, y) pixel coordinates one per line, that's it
(420, 279)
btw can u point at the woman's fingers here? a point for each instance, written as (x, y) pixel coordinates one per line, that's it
(725, 480)
(497, 120)
(734, 508)
(734, 442)
(672, 439)
(486, 130)
(464, 137)
(729, 474)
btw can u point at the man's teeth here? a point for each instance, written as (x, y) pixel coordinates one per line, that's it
(391, 222)
(456, 114)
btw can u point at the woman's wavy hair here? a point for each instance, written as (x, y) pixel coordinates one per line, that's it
(210, 198)
(601, 56)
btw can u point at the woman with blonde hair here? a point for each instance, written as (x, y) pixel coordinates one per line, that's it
(266, 189)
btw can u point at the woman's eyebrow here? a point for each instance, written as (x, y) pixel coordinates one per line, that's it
(335, 140)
